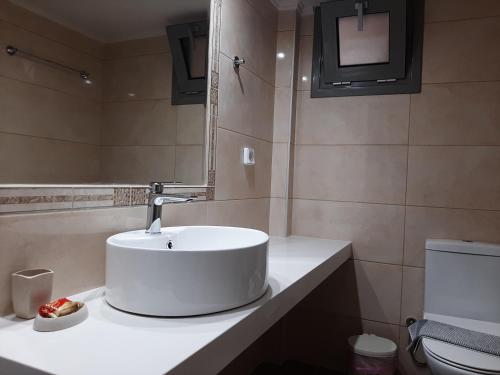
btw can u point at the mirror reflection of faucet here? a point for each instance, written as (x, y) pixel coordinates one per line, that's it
(156, 201)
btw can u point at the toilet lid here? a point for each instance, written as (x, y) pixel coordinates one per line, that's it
(463, 357)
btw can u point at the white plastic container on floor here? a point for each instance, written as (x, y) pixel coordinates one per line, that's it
(372, 355)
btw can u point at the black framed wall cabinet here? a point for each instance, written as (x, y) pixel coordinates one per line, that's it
(189, 48)
(367, 47)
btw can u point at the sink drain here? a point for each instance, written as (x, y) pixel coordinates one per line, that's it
(170, 245)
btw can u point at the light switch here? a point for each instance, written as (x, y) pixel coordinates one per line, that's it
(248, 156)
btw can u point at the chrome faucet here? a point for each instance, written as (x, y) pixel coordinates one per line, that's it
(156, 201)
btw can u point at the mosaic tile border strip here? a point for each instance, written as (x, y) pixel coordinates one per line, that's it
(33, 199)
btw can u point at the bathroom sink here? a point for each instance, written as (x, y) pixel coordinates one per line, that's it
(184, 271)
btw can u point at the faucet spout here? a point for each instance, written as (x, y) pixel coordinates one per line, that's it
(155, 203)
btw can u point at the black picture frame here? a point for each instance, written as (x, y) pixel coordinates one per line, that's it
(186, 89)
(367, 79)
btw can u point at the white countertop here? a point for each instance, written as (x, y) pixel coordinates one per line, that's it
(114, 342)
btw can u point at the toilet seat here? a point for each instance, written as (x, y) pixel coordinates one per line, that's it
(462, 358)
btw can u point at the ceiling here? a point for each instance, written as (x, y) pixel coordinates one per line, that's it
(116, 20)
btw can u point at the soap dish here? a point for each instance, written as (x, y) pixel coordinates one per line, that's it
(55, 324)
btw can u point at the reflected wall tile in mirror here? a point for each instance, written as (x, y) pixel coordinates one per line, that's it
(191, 123)
(189, 168)
(144, 122)
(35, 72)
(46, 28)
(137, 164)
(136, 47)
(38, 111)
(140, 77)
(47, 162)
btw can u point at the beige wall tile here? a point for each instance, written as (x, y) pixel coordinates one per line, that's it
(424, 222)
(189, 164)
(247, 213)
(240, 94)
(461, 51)
(287, 20)
(412, 296)
(282, 114)
(140, 77)
(278, 217)
(447, 10)
(233, 179)
(70, 243)
(352, 120)
(279, 176)
(245, 33)
(25, 159)
(30, 71)
(184, 214)
(38, 25)
(137, 164)
(305, 63)
(191, 124)
(375, 230)
(365, 290)
(307, 25)
(136, 47)
(460, 177)
(134, 123)
(284, 63)
(456, 114)
(34, 110)
(374, 174)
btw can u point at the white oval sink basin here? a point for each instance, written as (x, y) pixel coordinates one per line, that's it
(186, 270)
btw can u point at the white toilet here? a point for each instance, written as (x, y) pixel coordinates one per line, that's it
(462, 288)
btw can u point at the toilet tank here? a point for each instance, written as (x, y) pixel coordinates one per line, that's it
(462, 279)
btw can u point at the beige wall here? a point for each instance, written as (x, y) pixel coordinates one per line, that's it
(387, 172)
(50, 125)
(73, 242)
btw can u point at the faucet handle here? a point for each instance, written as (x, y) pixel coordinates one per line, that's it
(156, 187)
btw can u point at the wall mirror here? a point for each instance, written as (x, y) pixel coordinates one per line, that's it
(97, 92)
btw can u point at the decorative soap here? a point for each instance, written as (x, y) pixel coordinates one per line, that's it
(60, 307)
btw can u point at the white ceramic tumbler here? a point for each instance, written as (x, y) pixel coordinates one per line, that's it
(31, 288)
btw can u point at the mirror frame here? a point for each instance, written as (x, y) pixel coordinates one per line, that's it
(17, 198)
